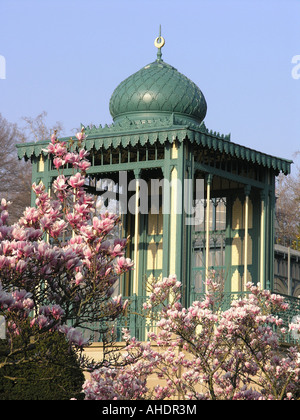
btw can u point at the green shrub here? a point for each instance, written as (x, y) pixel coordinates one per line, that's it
(50, 371)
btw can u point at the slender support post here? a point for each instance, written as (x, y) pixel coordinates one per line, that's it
(289, 272)
(262, 239)
(166, 214)
(137, 174)
(208, 193)
(173, 221)
(247, 193)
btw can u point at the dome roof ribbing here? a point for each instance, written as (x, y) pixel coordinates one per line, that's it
(155, 90)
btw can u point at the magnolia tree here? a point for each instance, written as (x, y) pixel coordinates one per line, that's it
(59, 263)
(205, 353)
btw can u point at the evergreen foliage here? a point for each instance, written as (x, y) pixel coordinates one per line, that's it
(49, 371)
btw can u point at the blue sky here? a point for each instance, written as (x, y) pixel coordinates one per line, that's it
(66, 57)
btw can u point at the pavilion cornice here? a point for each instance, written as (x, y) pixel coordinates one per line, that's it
(150, 132)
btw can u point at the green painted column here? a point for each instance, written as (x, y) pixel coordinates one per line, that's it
(136, 253)
(180, 248)
(247, 190)
(209, 179)
(187, 230)
(166, 215)
(262, 271)
(272, 232)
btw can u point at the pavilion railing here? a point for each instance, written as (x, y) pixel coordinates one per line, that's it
(291, 315)
(135, 321)
(288, 316)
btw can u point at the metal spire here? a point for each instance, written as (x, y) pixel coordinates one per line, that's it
(159, 43)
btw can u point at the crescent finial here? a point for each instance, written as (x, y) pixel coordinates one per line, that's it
(159, 43)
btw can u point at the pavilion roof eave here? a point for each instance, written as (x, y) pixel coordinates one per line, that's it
(111, 137)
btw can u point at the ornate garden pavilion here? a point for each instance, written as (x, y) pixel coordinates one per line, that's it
(159, 133)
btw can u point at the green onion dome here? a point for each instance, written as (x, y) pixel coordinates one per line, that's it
(156, 90)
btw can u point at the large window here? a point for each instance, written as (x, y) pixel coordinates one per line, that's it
(216, 256)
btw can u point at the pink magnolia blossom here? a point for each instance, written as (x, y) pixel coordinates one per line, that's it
(58, 149)
(74, 336)
(53, 138)
(59, 184)
(84, 165)
(58, 162)
(103, 225)
(21, 266)
(77, 180)
(4, 204)
(80, 135)
(232, 354)
(57, 228)
(30, 216)
(79, 278)
(38, 189)
(123, 264)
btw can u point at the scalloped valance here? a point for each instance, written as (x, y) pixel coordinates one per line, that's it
(115, 136)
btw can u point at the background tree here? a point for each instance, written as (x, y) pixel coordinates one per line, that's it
(36, 129)
(15, 175)
(288, 210)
